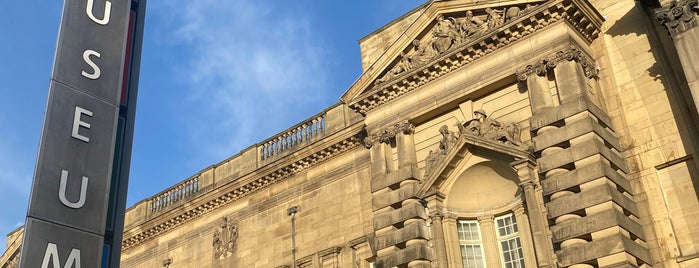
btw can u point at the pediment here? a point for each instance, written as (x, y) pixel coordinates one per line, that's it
(442, 164)
(452, 34)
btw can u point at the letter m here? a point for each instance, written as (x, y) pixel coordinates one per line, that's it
(52, 255)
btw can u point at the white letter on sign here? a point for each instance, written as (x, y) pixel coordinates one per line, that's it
(77, 123)
(62, 191)
(93, 65)
(107, 10)
(52, 254)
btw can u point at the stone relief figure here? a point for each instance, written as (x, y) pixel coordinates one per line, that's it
(447, 140)
(225, 239)
(402, 66)
(472, 26)
(444, 34)
(495, 17)
(422, 55)
(488, 128)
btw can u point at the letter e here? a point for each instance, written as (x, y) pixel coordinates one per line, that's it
(77, 123)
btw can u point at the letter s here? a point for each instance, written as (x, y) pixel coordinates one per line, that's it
(95, 68)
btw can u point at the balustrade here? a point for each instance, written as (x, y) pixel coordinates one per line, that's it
(292, 137)
(174, 194)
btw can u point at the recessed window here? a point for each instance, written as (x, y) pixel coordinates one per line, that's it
(509, 242)
(470, 243)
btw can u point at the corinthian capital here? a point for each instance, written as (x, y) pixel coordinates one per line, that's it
(679, 16)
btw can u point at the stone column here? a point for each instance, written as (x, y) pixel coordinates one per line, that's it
(680, 19)
(400, 226)
(537, 85)
(490, 241)
(537, 213)
(434, 205)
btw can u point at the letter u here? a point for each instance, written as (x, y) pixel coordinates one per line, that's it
(62, 191)
(107, 11)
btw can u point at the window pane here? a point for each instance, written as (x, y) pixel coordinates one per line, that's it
(510, 246)
(470, 243)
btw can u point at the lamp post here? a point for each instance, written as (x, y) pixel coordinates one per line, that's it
(292, 212)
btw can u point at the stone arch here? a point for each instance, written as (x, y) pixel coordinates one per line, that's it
(483, 186)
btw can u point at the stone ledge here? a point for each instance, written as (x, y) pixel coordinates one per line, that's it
(582, 175)
(573, 130)
(601, 248)
(588, 198)
(395, 177)
(383, 200)
(404, 256)
(388, 218)
(596, 222)
(551, 115)
(412, 231)
(579, 152)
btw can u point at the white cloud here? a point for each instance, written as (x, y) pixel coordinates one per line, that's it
(252, 69)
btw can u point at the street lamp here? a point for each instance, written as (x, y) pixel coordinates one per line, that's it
(292, 212)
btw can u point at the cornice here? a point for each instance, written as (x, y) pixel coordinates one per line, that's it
(580, 15)
(209, 202)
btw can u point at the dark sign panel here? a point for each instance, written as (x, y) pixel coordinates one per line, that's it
(65, 223)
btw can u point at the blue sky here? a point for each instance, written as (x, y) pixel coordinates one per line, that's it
(216, 77)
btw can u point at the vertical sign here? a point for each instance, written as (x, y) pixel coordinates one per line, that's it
(66, 218)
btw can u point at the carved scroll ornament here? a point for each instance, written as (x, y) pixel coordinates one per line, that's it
(541, 67)
(387, 134)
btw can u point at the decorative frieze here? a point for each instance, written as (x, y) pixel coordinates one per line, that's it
(573, 53)
(678, 16)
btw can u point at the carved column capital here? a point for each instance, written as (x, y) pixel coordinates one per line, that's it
(404, 127)
(541, 67)
(486, 219)
(679, 16)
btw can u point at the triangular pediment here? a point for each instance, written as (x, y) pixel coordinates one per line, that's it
(441, 164)
(449, 35)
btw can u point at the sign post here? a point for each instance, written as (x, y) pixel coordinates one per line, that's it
(70, 198)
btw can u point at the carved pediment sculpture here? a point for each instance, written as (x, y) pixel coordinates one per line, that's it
(491, 129)
(225, 240)
(450, 32)
(446, 142)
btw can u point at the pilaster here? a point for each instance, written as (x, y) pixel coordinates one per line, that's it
(569, 139)
(400, 218)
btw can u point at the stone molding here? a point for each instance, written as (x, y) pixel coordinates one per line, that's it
(164, 224)
(578, 14)
(679, 16)
(541, 67)
(384, 136)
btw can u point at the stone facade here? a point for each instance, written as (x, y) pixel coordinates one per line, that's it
(556, 133)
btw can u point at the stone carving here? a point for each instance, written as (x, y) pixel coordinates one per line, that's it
(678, 16)
(571, 54)
(450, 32)
(485, 127)
(387, 134)
(446, 142)
(225, 240)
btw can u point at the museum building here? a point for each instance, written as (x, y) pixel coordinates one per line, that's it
(506, 133)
